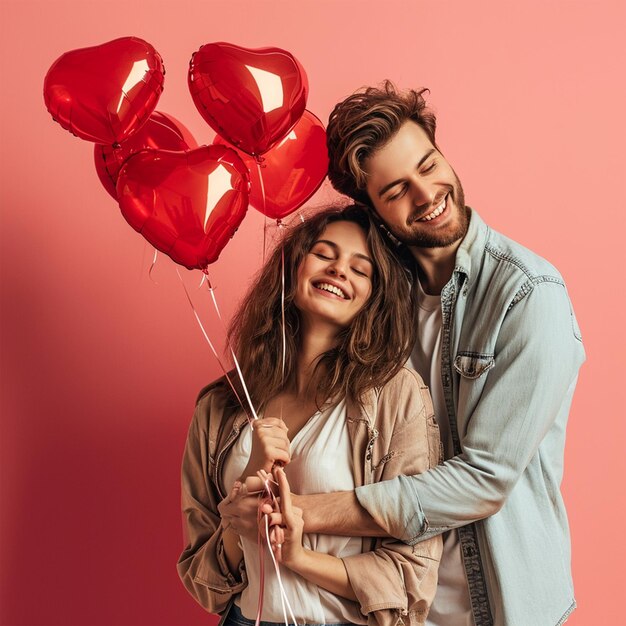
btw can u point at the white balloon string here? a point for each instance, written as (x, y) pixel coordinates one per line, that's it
(235, 361)
(154, 260)
(258, 160)
(284, 600)
(264, 237)
(208, 340)
(261, 554)
(282, 311)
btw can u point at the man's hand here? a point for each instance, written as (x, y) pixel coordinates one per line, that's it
(270, 445)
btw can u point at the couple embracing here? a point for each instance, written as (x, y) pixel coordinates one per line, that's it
(417, 434)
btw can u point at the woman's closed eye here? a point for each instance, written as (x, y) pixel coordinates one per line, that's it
(360, 272)
(323, 256)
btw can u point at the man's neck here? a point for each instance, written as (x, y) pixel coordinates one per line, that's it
(436, 266)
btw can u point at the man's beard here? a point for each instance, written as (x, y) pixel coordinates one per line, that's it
(421, 239)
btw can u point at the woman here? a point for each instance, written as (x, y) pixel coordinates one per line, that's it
(351, 415)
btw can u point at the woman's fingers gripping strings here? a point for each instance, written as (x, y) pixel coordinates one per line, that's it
(291, 514)
(288, 538)
(270, 446)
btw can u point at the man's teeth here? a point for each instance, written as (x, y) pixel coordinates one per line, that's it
(438, 211)
(332, 289)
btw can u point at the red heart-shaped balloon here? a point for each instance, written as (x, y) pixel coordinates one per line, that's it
(161, 131)
(252, 98)
(292, 170)
(107, 92)
(186, 204)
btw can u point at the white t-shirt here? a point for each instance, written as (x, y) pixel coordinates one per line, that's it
(451, 606)
(321, 462)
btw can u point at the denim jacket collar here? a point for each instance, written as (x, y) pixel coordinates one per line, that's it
(470, 252)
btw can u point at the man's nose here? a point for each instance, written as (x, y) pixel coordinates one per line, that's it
(423, 193)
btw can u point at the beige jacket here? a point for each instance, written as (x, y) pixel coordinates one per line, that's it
(394, 433)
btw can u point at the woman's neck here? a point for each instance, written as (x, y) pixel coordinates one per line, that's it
(313, 343)
(300, 397)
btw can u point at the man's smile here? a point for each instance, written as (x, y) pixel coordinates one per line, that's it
(440, 209)
(437, 212)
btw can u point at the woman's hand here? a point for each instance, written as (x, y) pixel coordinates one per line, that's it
(240, 509)
(270, 445)
(286, 535)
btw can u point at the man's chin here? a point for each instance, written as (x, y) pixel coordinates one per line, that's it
(437, 239)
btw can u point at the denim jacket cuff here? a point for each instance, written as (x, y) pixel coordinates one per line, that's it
(395, 507)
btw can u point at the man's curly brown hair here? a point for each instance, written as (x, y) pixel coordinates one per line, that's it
(365, 122)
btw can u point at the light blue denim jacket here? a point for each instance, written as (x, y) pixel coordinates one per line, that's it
(511, 350)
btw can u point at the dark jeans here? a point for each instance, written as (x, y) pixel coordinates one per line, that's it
(235, 618)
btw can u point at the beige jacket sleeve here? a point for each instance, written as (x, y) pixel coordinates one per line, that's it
(395, 581)
(202, 566)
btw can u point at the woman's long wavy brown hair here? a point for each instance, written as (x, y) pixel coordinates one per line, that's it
(369, 352)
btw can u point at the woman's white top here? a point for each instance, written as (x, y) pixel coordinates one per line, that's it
(321, 462)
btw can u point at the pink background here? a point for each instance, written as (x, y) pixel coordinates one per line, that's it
(100, 365)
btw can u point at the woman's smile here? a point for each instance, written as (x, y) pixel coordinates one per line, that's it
(330, 289)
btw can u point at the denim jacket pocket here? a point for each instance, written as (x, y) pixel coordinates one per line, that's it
(473, 364)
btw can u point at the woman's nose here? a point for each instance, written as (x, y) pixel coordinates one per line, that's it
(337, 268)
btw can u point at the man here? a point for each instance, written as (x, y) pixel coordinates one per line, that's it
(499, 347)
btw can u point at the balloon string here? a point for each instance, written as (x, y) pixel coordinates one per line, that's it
(284, 600)
(208, 340)
(154, 260)
(260, 551)
(282, 314)
(236, 362)
(264, 237)
(258, 161)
